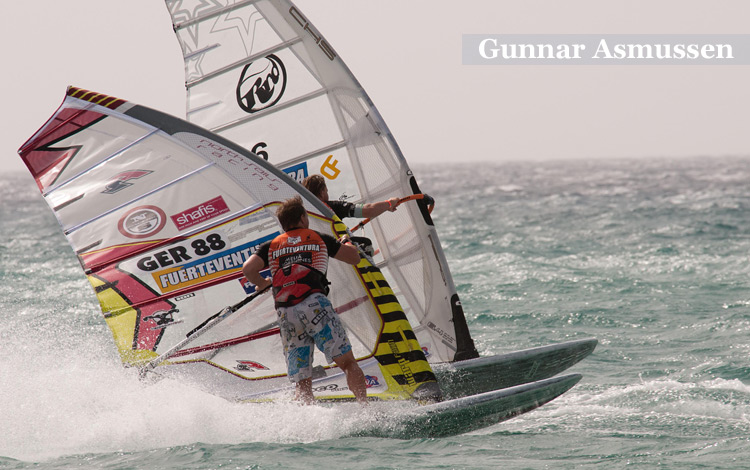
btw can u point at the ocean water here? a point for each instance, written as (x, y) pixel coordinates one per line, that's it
(648, 256)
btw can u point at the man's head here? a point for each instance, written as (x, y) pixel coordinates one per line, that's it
(316, 185)
(292, 214)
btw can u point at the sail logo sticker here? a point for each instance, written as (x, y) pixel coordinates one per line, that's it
(142, 222)
(330, 388)
(262, 84)
(200, 213)
(120, 181)
(163, 318)
(371, 381)
(206, 270)
(297, 172)
(203, 260)
(250, 365)
(302, 21)
(447, 339)
(328, 168)
(248, 286)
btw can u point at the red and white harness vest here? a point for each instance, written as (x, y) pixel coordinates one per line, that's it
(298, 260)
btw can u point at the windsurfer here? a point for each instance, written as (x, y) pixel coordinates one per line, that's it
(298, 260)
(317, 185)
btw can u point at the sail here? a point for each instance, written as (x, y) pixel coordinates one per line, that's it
(260, 74)
(162, 214)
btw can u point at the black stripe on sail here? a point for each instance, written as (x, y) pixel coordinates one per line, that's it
(396, 337)
(379, 283)
(385, 299)
(394, 316)
(419, 377)
(411, 356)
(368, 269)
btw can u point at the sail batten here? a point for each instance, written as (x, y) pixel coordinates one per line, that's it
(212, 13)
(314, 153)
(266, 112)
(206, 49)
(239, 63)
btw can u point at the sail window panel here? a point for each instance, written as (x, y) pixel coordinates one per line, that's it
(351, 107)
(380, 172)
(233, 373)
(251, 90)
(233, 335)
(290, 133)
(362, 321)
(209, 44)
(398, 230)
(254, 359)
(364, 132)
(411, 314)
(358, 116)
(409, 267)
(362, 338)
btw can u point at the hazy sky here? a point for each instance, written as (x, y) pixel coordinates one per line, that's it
(407, 55)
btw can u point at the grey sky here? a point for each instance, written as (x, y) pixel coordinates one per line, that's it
(407, 55)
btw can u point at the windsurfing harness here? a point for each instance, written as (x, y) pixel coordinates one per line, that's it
(298, 260)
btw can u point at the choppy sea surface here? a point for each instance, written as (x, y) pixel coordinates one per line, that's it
(648, 256)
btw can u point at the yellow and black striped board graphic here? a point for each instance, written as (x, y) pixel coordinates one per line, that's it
(399, 353)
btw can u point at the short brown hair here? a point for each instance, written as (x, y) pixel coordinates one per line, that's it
(315, 184)
(290, 213)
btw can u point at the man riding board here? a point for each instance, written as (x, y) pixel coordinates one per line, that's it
(298, 260)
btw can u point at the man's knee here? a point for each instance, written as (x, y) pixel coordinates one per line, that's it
(346, 360)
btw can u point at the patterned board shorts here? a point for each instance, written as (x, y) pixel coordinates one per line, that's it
(311, 322)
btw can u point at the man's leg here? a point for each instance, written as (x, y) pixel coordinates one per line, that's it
(355, 378)
(304, 391)
(298, 348)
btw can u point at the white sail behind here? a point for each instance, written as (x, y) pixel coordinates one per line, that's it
(258, 73)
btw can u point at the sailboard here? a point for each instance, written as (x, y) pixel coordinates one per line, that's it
(259, 73)
(469, 413)
(488, 373)
(162, 214)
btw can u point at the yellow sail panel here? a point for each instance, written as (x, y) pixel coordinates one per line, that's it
(121, 319)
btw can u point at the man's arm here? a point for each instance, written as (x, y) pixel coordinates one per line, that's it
(251, 269)
(347, 253)
(374, 209)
